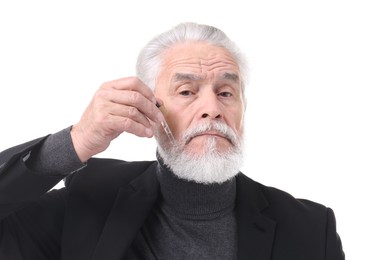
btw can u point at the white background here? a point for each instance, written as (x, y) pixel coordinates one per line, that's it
(306, 121)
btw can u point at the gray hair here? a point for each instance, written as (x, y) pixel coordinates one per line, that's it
(149, 60)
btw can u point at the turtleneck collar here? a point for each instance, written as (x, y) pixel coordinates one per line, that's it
(194, 200)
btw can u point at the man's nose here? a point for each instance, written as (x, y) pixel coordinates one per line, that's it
(211, 107)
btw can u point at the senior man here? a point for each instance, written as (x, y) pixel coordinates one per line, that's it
(191, 203)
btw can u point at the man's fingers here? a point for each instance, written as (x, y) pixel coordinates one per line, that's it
(129, 112)
(126, 124)
(132, 99)
(138, 101)
(123, 105)
(132, 84)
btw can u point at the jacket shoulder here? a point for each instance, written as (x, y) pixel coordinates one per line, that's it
(283, 200)
(285, 203)
(105, 173)
(302, 222)
(299, 221)
(275, 201)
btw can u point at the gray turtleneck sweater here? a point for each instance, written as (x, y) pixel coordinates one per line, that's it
(189, 220)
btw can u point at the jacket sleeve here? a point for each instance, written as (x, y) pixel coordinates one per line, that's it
(18, 183)
(30, 217)
(334, 250)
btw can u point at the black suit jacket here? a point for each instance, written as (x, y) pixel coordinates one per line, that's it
(103, 206)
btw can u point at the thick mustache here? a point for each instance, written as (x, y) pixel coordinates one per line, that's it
(221, 129)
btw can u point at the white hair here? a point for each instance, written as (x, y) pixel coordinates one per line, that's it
(149, 60)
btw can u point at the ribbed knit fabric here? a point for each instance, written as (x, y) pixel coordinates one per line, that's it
(190, 221)
(56, 155)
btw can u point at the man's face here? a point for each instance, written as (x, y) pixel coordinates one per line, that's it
(201, 82)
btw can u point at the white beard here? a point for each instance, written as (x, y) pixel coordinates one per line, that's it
(211, 166)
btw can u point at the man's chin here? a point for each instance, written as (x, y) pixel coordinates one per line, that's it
(206, 166)
(207, 144)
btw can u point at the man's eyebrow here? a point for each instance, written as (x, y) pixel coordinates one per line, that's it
(230, 76)
(195, 77)
(186, 76)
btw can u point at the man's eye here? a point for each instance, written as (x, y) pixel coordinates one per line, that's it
(225, 94)
(186, 93)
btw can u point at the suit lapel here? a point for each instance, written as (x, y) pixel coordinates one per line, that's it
(100, 236)
(255, 230)
(131, 207)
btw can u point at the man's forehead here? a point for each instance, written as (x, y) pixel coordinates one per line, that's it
(198, 61)
(198, 55)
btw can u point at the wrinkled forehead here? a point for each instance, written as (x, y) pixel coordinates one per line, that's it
(200, 59)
